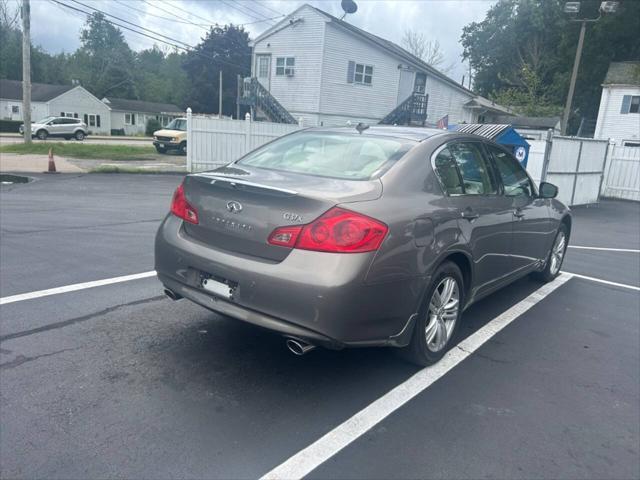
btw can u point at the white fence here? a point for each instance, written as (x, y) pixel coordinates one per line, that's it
(213, 142)
(622, 177)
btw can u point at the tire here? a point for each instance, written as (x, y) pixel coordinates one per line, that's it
(556, 256)
(183, 148)
(444, 321)
(160, 149)
(79, 135)
(42, 134)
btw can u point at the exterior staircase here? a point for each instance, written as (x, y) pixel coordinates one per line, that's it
(412, 111)
(253, 94)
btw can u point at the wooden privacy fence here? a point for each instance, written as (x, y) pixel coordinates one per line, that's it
(213, 142)
(622, 175)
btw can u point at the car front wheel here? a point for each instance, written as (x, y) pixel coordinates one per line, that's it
(42, 134)
(183, 148)
(438, 318)
(79, 135)
(160, 149)
(556, 256)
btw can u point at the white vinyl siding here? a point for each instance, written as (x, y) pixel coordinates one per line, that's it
(79, 101)
(446, 100)
(303, 40)
(340, 99)
(612, 123)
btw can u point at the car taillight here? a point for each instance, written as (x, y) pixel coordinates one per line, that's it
(338, 230)
(181, 208)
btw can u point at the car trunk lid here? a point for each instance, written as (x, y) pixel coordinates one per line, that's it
(238, 207)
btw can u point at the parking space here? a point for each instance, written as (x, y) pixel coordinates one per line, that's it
(118, 381)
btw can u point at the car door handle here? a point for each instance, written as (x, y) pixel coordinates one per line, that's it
(518, 213)
(469, 215)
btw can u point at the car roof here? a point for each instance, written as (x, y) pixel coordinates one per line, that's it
(417, 134)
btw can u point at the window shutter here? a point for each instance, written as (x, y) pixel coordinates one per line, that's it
(86, 119)
(133, 119)
(62, 113)
(351, 68)
(75, 115)
(97, 120)
(626, 104)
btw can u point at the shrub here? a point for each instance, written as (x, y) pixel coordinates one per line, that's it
(152, 126)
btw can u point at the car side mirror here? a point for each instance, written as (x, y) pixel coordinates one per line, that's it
(548, 190)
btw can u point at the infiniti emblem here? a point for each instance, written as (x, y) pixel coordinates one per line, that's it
(234, 207)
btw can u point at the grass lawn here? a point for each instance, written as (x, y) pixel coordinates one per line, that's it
(82, 150)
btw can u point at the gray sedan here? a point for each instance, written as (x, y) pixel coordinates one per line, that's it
(348, 237)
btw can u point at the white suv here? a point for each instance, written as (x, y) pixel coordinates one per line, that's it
(66, 127)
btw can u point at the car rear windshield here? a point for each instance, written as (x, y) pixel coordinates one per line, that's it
(336, 155)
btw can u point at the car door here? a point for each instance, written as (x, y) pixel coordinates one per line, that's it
(56, 126)
(485, 216)
(533, 231)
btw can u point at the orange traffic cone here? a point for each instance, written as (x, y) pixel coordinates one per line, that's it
(52, 163)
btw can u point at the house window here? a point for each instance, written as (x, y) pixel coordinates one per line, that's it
(15, 109)
(285, 66)
(360, 73)
(129, 118)
(92, 120)
(630, 104)
(632, 143)
(69, 114)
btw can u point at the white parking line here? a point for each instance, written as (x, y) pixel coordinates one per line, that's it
(76, 286)
(605, 282)
(306, 460)
(605, 249)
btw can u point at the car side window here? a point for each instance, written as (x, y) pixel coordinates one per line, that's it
(474, 168)
(515, 180)
(447, 171)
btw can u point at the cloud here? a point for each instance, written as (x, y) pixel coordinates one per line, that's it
(57, 28)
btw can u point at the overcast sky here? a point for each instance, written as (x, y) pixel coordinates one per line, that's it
(56, 28)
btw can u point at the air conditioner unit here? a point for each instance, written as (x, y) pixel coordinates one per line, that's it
(288, 72)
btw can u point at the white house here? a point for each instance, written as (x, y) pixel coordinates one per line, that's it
(619, 112)
(131, 116)
(59, 100)
(327, 72)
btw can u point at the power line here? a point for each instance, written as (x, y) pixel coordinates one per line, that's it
(209, 23)
(191, 49)
(204, 27)
(267, 7)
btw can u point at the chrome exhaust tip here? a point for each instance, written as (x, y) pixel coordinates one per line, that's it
(299, 347)
(172, 295)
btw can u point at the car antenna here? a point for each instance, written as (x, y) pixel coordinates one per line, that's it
(361, 127)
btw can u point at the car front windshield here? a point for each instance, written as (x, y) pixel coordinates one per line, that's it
(45, 120)
(177, 124)
(329, 154)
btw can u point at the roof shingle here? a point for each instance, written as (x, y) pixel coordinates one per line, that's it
(40, 92)
(623, 73)
(125, 104)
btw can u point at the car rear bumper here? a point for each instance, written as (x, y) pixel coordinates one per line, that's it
(318, 297)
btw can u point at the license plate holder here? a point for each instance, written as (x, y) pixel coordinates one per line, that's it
(162, 145)
(221, 289)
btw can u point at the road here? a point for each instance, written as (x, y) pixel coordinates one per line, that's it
(7, 139)
(118, 381)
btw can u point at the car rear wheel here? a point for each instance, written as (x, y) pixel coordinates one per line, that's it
(79, 135)
(42, 134)
(556, 256)
(438, 318)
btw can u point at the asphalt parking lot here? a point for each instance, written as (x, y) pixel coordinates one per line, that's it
(116, 381)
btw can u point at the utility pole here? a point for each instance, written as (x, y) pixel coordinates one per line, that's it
(573, 8)
(574, 76)
(26, 69)
(220, 97)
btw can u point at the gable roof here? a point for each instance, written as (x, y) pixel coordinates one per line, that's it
(623, 73)
(40, 92)
(140, 106)
(387, 45)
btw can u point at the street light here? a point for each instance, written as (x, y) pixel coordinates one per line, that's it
(574, 8)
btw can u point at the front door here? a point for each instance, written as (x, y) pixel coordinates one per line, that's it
(420, 85)
(405, 85)
(263, 70)
(485, 216)
(533, 230)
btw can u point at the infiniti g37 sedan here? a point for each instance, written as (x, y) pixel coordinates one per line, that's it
(348, 237)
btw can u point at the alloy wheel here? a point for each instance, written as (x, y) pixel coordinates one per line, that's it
(557, 253)
(442, 314)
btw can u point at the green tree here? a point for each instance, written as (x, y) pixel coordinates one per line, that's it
(521, 43)
(104, 63)
(223, 49)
